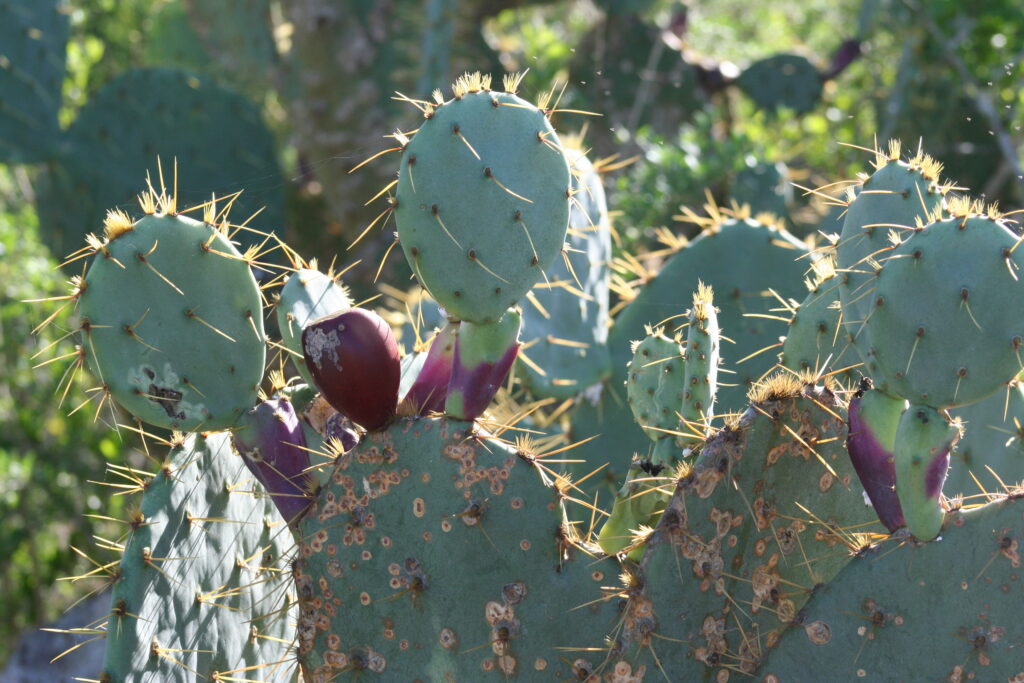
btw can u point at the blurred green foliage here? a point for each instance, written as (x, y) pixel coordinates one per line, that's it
(46, 456)
(938, 71)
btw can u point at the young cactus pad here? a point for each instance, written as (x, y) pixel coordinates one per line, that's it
(438, 553)
(924, 439)
(202, 590)
(655, 387)
(172, 321)
(701, 368)
(482, 200)
(483, 356)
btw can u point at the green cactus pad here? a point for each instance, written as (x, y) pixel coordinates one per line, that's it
(203, 586)
(217, 137)
(758, 523)
(306, 296)
(813, 342)
(565, 322)
(701, 369)
(172, 323)
(33, 43)
(637, 504)
(896, 196)
(437, 553)
(948, 313)
(656, 385)
(741, 260)
(782, 81)
(991, 450)
(943, 611)
(482, 201)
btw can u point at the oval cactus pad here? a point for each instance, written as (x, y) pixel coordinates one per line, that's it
(172, 322)
(483, 200)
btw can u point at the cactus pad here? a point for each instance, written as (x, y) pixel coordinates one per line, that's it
(215, 134)
(33, 43)
(438, 553)
(308, 295)
(202, 589)
(945, 611)
(482, 201)
(172, 322)
(896, 196)
(770, 510)
(567, 314)
(782, 80)
(655, 387)
(948, 313)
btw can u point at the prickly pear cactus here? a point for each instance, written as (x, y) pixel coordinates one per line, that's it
(991, 452)
(655, 387)
(171, 319)
(438, 553)
(703, 344)
(489, 154)
(896, 197)
(565, 317)
(202, 590)
(740, 259)
(948, 311)
(215, 134)
(33, 44)
(782, 81)
(770, 510)
(945, 611)
(814, 343)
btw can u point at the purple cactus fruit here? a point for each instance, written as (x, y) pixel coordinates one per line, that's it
(272, 443)
(874, 417)
(353, 359)
(484, 354)
(429, 391)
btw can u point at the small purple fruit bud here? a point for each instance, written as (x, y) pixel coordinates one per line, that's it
(429, 391)
(484, 354)
(271, 441)
(874, 417)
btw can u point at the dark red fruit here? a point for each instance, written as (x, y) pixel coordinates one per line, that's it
(353, 359)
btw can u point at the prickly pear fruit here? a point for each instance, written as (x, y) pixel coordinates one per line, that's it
(924, 439)
(874, 417)
(483, 356)
(271, 440)
(430, 389)
(353, 359)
